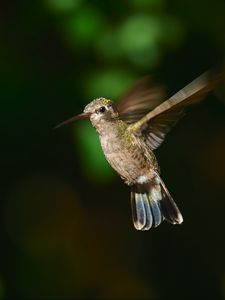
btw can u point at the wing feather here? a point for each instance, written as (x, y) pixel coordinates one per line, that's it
(156, 124)
(142, 97)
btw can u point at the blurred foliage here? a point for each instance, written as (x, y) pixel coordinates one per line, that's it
(66, 230)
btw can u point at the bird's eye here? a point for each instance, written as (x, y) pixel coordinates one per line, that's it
(102, 109)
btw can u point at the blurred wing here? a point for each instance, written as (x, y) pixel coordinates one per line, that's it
(142, 97)
(154, 126)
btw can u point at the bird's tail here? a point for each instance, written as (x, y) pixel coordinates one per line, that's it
(151, 203)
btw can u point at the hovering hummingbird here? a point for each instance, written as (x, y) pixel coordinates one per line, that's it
(129, 132)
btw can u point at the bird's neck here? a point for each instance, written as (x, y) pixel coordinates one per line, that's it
(111, 128)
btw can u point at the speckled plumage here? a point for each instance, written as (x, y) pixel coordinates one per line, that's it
(127, 154)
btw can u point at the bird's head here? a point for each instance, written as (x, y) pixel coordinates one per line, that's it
(98, 111)
(101, 109)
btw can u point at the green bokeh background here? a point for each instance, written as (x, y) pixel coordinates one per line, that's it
(66, 229)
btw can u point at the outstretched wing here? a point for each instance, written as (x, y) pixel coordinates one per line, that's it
(154, 126)
(142, 97)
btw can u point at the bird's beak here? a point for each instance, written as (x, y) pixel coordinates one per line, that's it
(73, 119)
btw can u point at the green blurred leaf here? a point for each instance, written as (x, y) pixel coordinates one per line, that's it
(84, 25)
(139, 35)
(147, 58)
(62, 5)
(109, 83)
(172, 31)
(138, 32)
(153, 4)
(107, 44)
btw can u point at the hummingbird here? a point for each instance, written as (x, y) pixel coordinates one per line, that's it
(129, 132)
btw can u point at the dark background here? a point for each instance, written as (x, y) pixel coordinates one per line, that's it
(66, 229)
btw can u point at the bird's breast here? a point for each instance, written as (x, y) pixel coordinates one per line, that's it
(127, 156)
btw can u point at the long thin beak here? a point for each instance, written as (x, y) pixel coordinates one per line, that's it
(73, 119)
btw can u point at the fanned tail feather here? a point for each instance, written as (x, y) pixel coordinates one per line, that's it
(151, 203)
